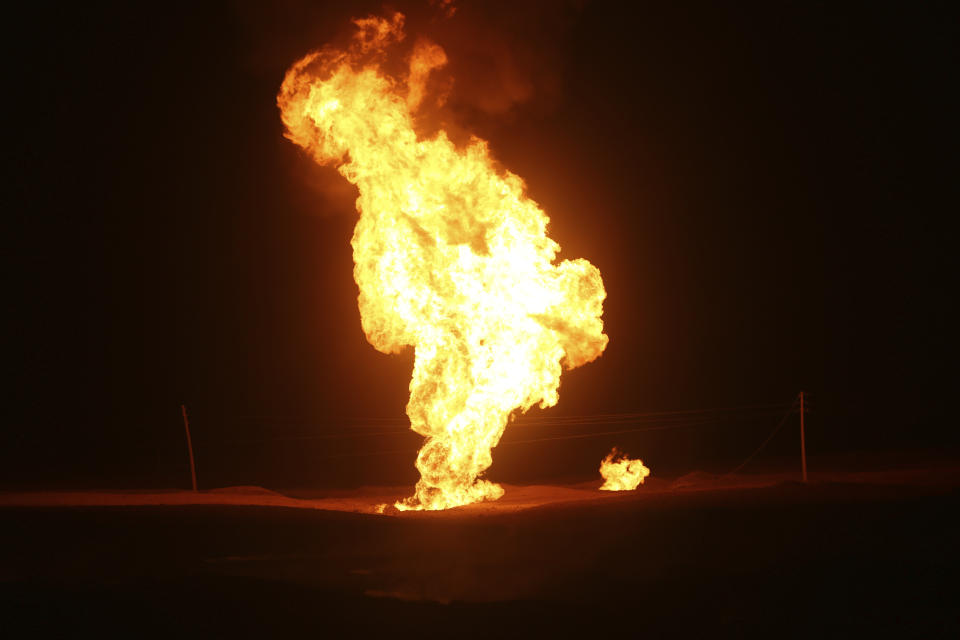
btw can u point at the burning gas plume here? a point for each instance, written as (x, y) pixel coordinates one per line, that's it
(620, 473)
(450, 256)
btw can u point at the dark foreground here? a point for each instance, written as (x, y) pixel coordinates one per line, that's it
(827, 559)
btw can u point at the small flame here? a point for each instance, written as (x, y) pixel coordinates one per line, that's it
(620, 473)
(451, 257)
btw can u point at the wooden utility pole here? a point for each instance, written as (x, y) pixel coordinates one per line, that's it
(803, 441)
(193, 470)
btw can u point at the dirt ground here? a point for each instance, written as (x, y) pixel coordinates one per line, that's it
(845, 555)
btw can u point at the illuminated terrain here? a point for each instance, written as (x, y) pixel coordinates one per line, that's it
(738, 549)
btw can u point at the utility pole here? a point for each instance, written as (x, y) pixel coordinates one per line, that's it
(803, 441)
(193, 470)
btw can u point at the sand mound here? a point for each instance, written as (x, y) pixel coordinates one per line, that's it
(695, 479)
(244, 490)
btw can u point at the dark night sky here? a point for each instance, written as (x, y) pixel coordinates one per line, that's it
(762, 188)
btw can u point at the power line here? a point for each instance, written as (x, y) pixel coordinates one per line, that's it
(363, 454)
(660, 424)
(718, 414)
(520, 419)
(765, 442)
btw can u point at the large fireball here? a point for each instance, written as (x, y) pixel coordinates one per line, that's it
(450, 256)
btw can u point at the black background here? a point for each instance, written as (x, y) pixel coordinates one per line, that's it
(763, 188)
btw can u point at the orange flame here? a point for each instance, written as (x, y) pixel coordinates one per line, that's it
(620, 473)
(450, 256)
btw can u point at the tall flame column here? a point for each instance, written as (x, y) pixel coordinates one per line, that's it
(451, 258)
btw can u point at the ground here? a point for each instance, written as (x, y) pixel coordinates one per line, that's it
(845, 555)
